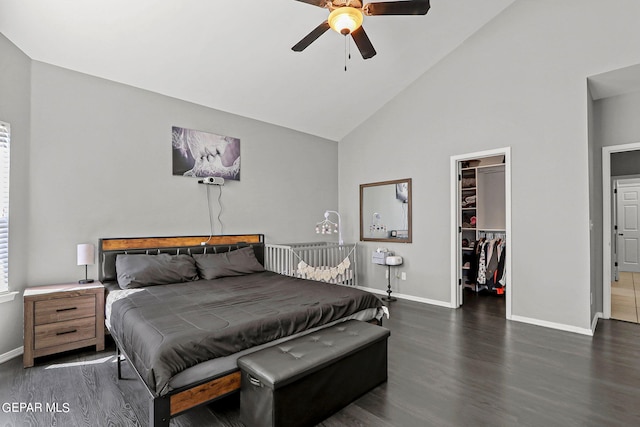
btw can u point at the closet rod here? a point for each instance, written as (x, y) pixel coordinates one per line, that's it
(492, 234)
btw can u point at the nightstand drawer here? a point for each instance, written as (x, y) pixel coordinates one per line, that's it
(54, 334)
(61, 309)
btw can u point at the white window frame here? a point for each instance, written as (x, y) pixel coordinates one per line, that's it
(5, 158)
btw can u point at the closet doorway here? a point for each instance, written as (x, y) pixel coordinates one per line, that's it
(621, 236)
(481, 225)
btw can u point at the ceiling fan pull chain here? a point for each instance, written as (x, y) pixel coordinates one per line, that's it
(345, 53)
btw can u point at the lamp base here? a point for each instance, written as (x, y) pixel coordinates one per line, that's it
(84, 281)
(389, 298)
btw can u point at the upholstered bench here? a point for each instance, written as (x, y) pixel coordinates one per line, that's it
(302, 381)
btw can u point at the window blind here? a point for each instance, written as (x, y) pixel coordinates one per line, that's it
(4, 206)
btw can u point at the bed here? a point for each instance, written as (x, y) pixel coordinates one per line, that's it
(182, 332)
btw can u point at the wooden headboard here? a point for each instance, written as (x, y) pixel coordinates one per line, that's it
(109, 248)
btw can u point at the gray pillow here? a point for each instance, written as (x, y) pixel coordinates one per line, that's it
(234, 263)
(135, 271)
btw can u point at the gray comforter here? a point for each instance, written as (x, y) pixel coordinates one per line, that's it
(167, 329)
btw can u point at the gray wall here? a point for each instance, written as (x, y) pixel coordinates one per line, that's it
(15, 72)
(595, 213)
(100, 166)
(617, 123)
(519, 82)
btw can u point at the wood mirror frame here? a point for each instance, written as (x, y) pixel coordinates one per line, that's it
(395, 232)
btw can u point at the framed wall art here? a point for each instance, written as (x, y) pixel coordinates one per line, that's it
(203, 154)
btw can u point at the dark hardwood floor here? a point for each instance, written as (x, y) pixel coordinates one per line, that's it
(466, 367)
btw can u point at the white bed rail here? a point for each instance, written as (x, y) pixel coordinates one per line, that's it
(323, 261)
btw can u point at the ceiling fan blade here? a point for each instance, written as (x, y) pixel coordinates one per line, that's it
(311, 37)
(319, 3)
(407, 7)
(364, 44)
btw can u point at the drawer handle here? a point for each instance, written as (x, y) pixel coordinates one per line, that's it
(66, 309)
(67, 332)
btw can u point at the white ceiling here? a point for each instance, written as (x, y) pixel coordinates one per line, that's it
(236, 56)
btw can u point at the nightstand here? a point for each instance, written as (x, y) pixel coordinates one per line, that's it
(62, 317)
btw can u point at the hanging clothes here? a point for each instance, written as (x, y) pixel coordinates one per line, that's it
(501, 262)
(490, 256)
(473, 265)
(482, 265)
(492, 264)
(502, 271)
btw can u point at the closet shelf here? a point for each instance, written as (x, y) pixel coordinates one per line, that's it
(475, 168)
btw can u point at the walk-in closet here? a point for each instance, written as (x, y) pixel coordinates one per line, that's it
(482, 229)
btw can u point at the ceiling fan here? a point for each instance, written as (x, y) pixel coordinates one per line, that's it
(346, 18)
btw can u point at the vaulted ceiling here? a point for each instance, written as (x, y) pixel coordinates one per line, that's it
(236, 56)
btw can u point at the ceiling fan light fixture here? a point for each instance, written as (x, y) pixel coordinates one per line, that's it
(345, 20)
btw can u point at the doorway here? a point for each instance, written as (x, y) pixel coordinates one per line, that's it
(625, 288)
(463, 213)
(626, 235)
(621, 245)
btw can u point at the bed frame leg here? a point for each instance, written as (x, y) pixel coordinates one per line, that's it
(119, 357)
(159, 412)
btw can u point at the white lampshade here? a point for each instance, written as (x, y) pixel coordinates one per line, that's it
(86, 254)
(345, 20)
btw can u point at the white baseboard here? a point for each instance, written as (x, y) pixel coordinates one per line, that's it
(537, 322)
(553, 325)
(594, 323)
(20, 350)
(11, 354)
(408, 297)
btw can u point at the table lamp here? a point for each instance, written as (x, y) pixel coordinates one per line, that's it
(86, 256)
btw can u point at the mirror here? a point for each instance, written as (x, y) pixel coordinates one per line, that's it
(385, 211)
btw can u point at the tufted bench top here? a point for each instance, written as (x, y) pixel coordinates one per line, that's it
(285, 363)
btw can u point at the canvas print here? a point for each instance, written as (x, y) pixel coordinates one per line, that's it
(203, 154)
(402, 192)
